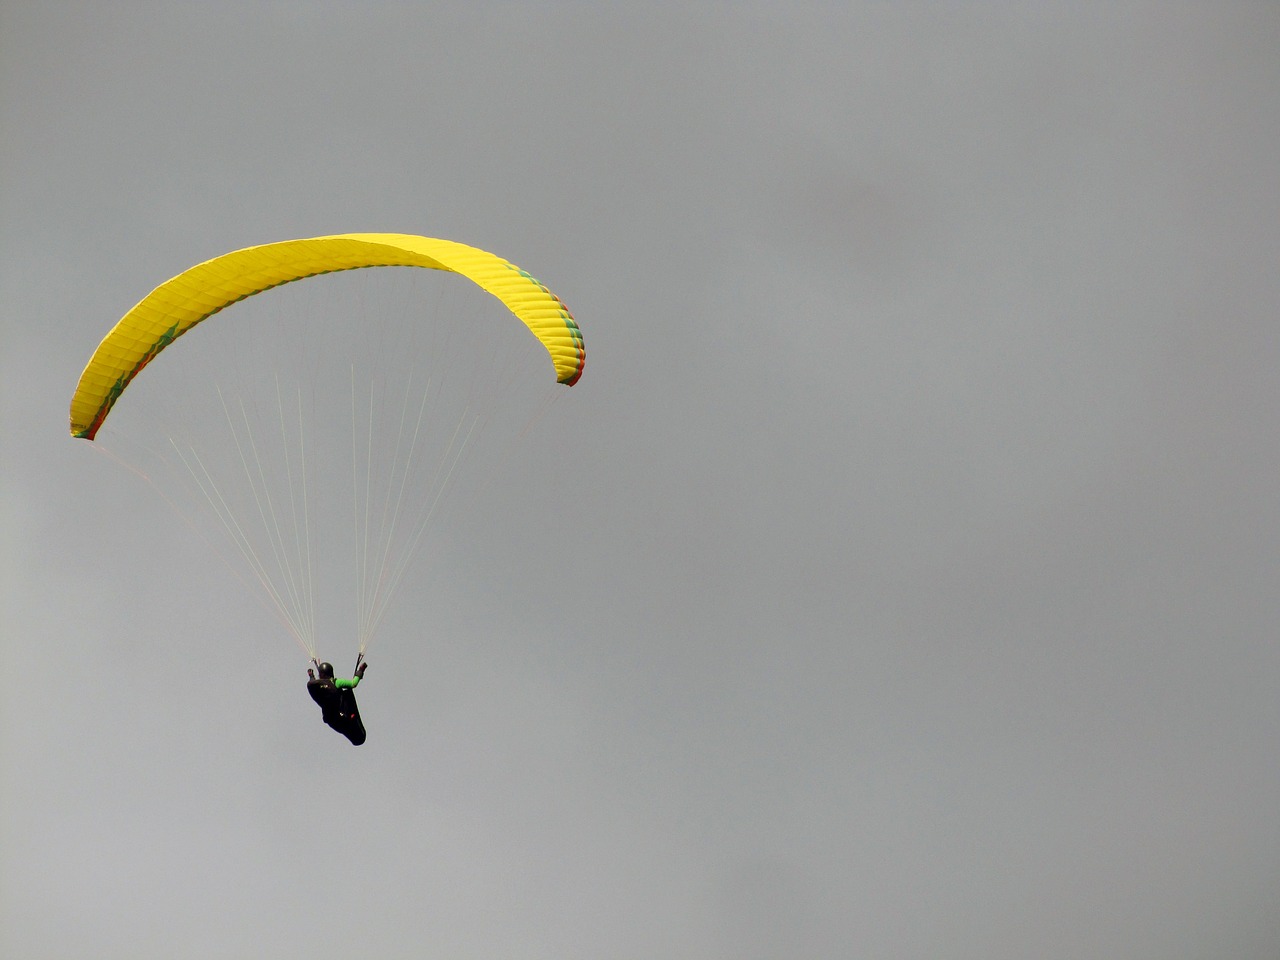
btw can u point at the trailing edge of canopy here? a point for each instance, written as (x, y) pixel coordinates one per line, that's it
(177, 305)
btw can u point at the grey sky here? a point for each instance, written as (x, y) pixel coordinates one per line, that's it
(903, 585)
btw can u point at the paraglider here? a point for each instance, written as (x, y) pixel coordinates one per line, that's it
(337, 700)
(174, 307)
(275, 529)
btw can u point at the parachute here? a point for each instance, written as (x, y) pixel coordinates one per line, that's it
(343, 442)
(173, 308)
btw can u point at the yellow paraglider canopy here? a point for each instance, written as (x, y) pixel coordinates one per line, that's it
(177, 305)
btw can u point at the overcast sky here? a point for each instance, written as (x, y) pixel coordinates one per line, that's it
(898, 582)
